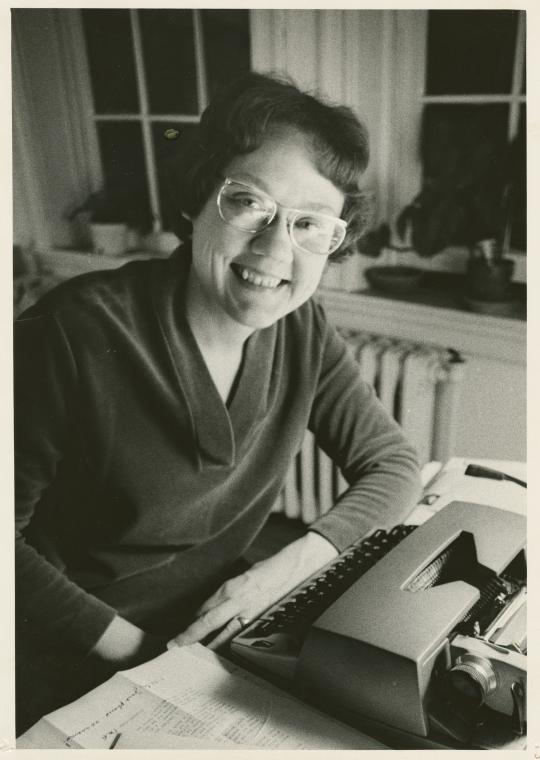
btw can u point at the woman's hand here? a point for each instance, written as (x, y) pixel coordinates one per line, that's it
(249, 594)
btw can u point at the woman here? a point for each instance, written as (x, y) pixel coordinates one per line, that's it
(159, 405)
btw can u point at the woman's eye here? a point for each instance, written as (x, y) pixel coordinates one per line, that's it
(308, 223)
(248, 201)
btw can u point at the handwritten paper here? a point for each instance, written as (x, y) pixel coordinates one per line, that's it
(191, 692)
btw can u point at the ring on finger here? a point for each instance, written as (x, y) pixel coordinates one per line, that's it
(244, 621)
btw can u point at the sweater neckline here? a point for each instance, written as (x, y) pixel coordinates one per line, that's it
(219, 430)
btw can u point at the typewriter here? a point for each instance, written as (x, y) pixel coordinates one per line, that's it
(417, 633)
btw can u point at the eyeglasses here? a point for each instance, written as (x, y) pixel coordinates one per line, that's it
(250, 209)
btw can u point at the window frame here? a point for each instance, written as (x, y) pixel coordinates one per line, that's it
(514, 99)
(143, 116)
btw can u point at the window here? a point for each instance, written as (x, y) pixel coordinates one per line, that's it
(474, 95)
(152, 73)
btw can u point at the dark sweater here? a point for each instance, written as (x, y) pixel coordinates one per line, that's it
(136, 487)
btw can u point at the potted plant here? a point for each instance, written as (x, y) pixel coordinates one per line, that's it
(111, 214)
(468, 198)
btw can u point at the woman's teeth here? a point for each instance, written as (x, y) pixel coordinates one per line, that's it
(265, 281)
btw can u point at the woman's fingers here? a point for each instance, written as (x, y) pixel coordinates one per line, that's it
(207, 623)
(240, 598)
(232, 628)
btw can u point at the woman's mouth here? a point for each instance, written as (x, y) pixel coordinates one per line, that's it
(255, 278)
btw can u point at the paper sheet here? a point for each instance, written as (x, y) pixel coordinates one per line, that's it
(138, 740)
(191, 692)
(451, 484)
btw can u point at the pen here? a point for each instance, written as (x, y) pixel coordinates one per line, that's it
(114, 741)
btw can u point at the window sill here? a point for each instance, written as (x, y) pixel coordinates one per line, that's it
(439, 323)
(445, 290)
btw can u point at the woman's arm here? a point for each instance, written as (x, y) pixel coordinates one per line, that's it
(49, 607)
(366, 443)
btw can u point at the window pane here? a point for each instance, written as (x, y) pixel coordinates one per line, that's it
(470, 52)
(166, 151)
(226, 46)
(111, 61)
(169, 60)
(124, 170)
(464, 152)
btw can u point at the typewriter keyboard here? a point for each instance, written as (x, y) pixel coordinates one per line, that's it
(283, 627)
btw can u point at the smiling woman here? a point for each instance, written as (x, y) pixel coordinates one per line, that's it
(159, 406)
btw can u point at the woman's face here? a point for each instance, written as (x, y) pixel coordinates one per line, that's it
(255, 279)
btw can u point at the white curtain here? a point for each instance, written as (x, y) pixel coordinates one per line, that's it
(55, 161)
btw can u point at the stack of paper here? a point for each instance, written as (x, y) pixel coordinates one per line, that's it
(189, 697)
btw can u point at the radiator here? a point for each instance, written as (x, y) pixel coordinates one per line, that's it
(418, 384)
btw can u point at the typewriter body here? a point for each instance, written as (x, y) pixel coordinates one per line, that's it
(418, 633)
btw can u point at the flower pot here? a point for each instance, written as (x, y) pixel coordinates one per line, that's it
(489, 280)
(109, 239)
(394, 279)
(162, 243)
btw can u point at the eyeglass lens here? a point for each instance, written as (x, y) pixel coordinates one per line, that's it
(248, 210)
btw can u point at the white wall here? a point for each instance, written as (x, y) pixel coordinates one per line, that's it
(492, 415)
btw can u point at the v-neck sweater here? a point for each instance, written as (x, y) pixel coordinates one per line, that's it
(136, 486)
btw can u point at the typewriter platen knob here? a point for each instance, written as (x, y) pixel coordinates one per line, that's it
(472, 678)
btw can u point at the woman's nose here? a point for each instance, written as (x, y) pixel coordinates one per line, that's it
(274, 240)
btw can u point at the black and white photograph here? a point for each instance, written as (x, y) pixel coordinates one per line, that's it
(269, 377)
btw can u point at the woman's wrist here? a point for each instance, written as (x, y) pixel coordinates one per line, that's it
(313, 551)
(124, 645)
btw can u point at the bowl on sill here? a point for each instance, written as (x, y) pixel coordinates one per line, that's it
(394, 279)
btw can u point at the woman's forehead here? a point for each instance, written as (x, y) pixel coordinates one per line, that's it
(284, 166)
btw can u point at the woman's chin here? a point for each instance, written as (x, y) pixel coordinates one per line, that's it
(258, 307)
(255, 319)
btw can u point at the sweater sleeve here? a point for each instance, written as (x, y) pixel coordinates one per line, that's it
(47, 602)
(358, 434)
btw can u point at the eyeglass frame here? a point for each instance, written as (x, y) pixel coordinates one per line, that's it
(290, 221)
